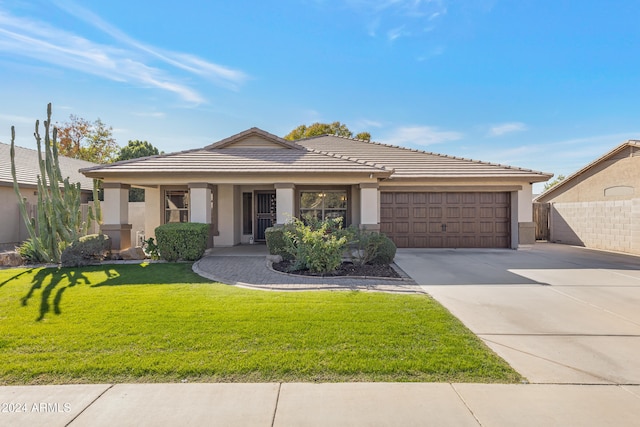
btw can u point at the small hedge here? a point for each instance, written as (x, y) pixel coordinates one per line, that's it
(385, 250)
(182, 241)
(277, 242)
(87, 250)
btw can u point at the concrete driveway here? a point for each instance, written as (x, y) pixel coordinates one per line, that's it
(556, 313)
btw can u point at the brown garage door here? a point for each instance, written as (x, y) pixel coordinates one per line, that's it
(446, 220)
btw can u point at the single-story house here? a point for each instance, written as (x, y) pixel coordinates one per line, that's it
(248, 182)
(12, 227)
(599, 206)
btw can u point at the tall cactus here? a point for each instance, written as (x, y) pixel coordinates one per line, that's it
(59, 215)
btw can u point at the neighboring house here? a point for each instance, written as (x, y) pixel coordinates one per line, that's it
(12, 228)
(248, 182)
(599, 206)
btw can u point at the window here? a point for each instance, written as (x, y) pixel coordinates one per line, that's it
(324, 204)
(176, 206)
(247, 213)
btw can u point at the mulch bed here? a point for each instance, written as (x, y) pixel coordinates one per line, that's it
(346, 269)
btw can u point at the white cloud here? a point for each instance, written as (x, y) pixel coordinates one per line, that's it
(154, 115)
(11, 118)
(128, 60)
(398, 18)
(505, 128)
(420, 135)
(366, 123)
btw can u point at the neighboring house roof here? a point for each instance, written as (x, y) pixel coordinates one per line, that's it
(257, 151)
(412, 163)
(559, 187)
(28, 169)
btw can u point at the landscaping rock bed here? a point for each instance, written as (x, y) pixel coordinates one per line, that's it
(346, 269)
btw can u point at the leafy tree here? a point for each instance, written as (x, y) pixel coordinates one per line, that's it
(91, 141)
(317, 129)
(556, 181)
(365, 136)
(134, 150)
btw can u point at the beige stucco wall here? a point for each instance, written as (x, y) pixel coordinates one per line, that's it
(227, 217)
(608, 225)
(12, 228)
(620, 171)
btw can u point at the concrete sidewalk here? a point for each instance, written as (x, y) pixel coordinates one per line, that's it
(329, 404)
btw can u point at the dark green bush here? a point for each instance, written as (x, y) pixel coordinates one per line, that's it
(182, 240)
(386, 250)
(276, 241)
(87, 250)
(370, 247)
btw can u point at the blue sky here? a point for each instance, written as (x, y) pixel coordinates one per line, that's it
(546, 85)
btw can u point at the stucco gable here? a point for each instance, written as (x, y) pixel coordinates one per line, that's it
(254, 138)
(623, 152)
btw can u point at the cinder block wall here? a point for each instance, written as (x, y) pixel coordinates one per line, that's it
(610, 225)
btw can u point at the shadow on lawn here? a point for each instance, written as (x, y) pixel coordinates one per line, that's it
(60, 279)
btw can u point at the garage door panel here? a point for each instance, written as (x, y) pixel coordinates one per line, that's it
(420, 212)
(469, 198)
(401, 212)
(401, 198)
(419, 198)
(435, 212)
(468, 212)
(435, 198)
(501, 198)
(401, 227)
(453, 227)
(402, 241)
(502, 227)
(419, 242)
(457, 220)
(420, 227)
(502, 212)
(386, 198)
(468, 227)
(487, 227)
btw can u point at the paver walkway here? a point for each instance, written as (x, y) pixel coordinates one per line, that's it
(234, 267)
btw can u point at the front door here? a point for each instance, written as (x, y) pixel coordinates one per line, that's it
(265, 212)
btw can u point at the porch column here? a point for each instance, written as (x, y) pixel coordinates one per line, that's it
(200, 200)
(200, 206)
(369, 206)
(116, 215)
(285, 202)
(526, 226)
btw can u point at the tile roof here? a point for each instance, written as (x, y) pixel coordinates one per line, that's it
(27, 168)
(412, 163)
(326, 153)
(239, 160)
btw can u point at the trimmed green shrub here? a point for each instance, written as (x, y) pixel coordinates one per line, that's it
(182, 240)
(386, 250)
(87, 250)
(314, 246)
(371, 247)
(276, 241)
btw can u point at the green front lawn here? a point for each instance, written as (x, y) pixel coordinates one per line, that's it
(163, 323)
